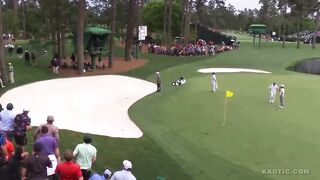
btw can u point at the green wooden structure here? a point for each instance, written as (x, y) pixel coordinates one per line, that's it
(95, 43)
(257, 29)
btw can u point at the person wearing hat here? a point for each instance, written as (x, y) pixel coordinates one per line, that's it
(106, 175)
(7, 121)
(125, 173)
(281, 95)
(68, 170)
(11, 74)
(19, 52)
(53, 130)
(21, 125)
(85, 154)
(214, 82)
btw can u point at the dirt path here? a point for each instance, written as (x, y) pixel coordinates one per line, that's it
(119, 66)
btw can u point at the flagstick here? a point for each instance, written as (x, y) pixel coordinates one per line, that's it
(225, 112)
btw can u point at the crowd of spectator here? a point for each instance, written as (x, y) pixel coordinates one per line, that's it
(44, 162)
(198, 48)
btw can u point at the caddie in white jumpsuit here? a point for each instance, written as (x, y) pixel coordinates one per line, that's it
(11, 75)
(214, 82)
(273, 92)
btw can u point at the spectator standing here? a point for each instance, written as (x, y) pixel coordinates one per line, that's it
(53, 130)
(68, 170)
(21, 125)
(106, 175)
(9, 147)
(158, 81)
(3, 155)
(14, 167)
(33, 57)
(281, 93)
(49, 148)
(214, 82)
(125, 173)
(55, 65)
(27, 57)
(19, 51)
(7, 120)
(85, 155)
(36, 165)
(11, 73)
(1, 83)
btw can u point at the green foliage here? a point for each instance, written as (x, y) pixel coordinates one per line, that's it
(10, 23)
(153, 16)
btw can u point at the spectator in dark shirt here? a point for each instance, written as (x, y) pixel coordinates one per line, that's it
(27, 57)
(36, 165)
(15, 164)
(33, 57)
(55, 65)
(19, 51)
(21, 125)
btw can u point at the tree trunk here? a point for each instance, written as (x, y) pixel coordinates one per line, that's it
(298, 36)
(314, 38)
(80, 32)
(165, 20)
(141, 10)
(54, 42)
(169, 21)
(113, 27)
(63, 45)
(130, 26)
(284, 35)
(14, 7)
(4, 74)
(188, 20)
(23, 4)
(59, 47)
(183, 10)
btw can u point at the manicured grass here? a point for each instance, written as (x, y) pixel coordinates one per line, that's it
(183, 133)
(187, 120)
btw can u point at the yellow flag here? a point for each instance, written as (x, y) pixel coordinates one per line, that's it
(229, 93)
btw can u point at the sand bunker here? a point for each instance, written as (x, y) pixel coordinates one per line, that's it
(231, 70)
(96, 104)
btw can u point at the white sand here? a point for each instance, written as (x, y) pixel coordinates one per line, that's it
(96, 105)
(231, 70)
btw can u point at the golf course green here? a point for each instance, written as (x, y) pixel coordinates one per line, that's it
(259, 141)
(183, 134)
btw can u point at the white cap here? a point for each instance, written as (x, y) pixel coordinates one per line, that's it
(127, 164)
(25, 109)
(157, 73)
(282, 85)
(107, 172)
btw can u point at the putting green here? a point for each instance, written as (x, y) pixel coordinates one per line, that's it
(187, 121)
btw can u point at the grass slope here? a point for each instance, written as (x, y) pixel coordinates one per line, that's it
(183, 137)
(187, 121)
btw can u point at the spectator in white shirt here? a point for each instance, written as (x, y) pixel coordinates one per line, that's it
(125, 173)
